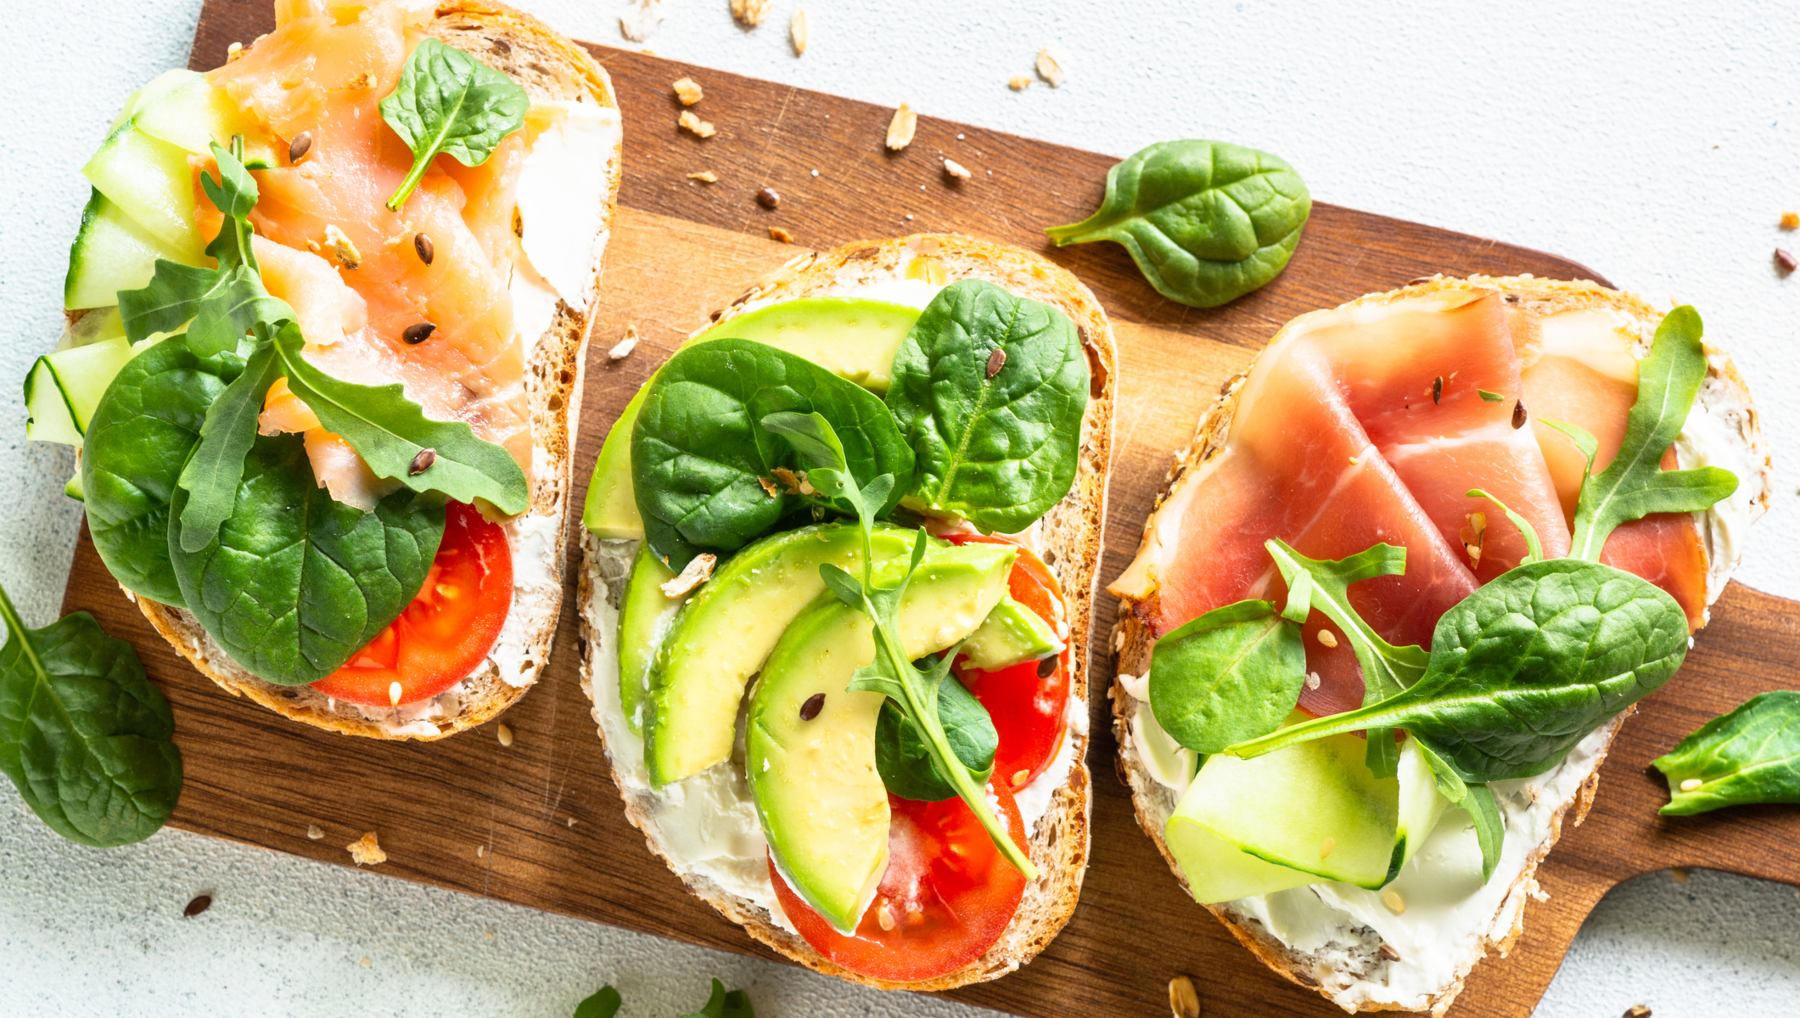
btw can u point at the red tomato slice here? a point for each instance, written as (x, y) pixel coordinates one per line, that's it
(946, 896)
(1028, 702)
(447, 629)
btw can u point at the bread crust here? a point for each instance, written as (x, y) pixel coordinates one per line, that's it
(549, 66)
(1070, 537)
(1133, 641)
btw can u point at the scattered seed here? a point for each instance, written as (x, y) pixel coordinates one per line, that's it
(394, 692)
(481, 851)
(1785, 260)
(1047, 667)
(423, 247)
(1050, 68)
(704, 177)
(694, 125)
(1019, 82)
(697, 571)
(768, 197)
(955, 170)
(419, 333)
(366, 851)
(1019, 776)
(777, 233)
(1388, 952)
(813, 705)
(688, 91)
(1790, 220)
(1690, 784)
(884, 917)
(749, 13)
(901, 128)
(234, 51)
(622, 349)
(301, 145)
(1184, 1000)
(339, 243)
(996, 361)
(1395, 904)
(314, 832)
(1637, 1011)
(797, 31)
(1327, 638)
(1518, 417)
(422, 462)
(1437, 390)
(504, 733)
(199, 904)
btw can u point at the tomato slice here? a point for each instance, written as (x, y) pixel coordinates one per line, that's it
(1028, 702)
(447, 629)
(946, 896)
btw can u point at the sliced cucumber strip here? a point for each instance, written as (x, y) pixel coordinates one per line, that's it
(152, 90)
(49, 418)
(64, 387)
(73, 489)
(95, 326)
(193, 114)
(111, 252)
(152, 183)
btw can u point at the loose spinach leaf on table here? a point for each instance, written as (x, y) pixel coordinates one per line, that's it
(723, 1003)
(140, 437)
(1232, 674)
(295, 583)
(1750, 755)
(1206, 221)
(990, 389)
(83, 734)
(447, 101)
(904, 759)
(602, 1003)
(708, 475)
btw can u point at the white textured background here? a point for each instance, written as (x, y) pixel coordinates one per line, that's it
(1657, 146)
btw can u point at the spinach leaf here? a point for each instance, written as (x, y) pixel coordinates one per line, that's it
(904, 759)
(990, 389)
(1524, 668)
(602, 1003)
(83, 734)
(723, 1003)
(1749, 755)
(140, 437)
(295, 583)
(1634, 484)
(1232, 674)
(217, 464)
(448, 101)
(708, 475)
(1206, 221)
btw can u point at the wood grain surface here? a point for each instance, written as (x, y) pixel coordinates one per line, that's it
(539, 823)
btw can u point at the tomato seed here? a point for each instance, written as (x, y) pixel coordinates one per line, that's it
(813, 705)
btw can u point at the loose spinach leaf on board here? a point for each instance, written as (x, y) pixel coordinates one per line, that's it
(1232, 674)
(83, 734)
(1750, 755)
(1206, 221)
(602, 1003)
(447, 101)
(1524, 668)
(295, 583)
(709, 476)
(138, 442)
(723, 1003)
(904, 759)
(990, 390)
(1634, 484)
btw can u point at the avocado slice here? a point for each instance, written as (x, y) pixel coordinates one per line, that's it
(812, 772)
(851, 336)
(1010, 635)
(643, 613)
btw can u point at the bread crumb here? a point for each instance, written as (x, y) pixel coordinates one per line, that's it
(366, 851)
(704, 177)
(569, 823)
(1679, 874)
(798, 31)
(314, 832)
(622, 349)
(697, 571)
(688, 91)
(956, 170)
(481, 851)
(1184, 1000)
(234, 51)
(504, 733)
(364, 961)
(1019, 82)
(694, 125)
(777, 233)
(768, 487)
(1790, 220)
(749, 13)
(1050, 68)
(901, 128)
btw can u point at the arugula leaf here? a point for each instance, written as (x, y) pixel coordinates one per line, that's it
(1232, 674)
(1634, 484)
(904, 759)
(390, 432)
(1749, 755)
(723, 1003)
(447, 101)
(83, 734)
(1489, 396)
(990, 389)
(211, 475)
(602, 1003)
(1490, 826)
(1534, 549)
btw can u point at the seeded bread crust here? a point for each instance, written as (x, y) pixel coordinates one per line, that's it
(549, 66)
(1069, 538)
(1153, 803)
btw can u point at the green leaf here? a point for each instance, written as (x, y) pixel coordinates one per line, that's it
(1232, 674)
(1490, 396)
(1490, 826)
(447, 101)
(723, 1003)
(990, 390)
(603, 1003)
(704, 466)
(1534, 549)
(138, 442)
(904, 758)
(84, 736)
(167, 302)
(1750, 755)
(295, 583)
(1634, 484)
(390, 431)
(1206, 221)
(213, 470)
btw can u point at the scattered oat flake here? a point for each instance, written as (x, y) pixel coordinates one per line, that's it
(749, 13)
(366, 851)
(694, 125)
(901, 128)
(504, 733)
(777, 233)
(688, 91)
(314, 832)
(622, 349)
(697, 571)
(1019, 82)
(704, 177)
(1049, 67)
(798, 31)
(1790, 220)
(956, 170)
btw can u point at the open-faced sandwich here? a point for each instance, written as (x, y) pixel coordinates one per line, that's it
(327, 311)
(840, 556)
(1417, 564)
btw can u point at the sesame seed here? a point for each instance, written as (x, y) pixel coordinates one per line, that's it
(1327, 638)
(1395, 904)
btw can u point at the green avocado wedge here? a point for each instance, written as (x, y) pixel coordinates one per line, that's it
(1011, 634)
(850, 336)
(810, 744)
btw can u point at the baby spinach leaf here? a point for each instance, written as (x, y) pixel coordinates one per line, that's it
(1749, 755)
(138, 441)
(723, 1003)
(1524, 668)
(709, 475)
(1634, 484)
(390, 432)
(1206, 221)
(83, 734)
(904, 759)
(448, 101)
(990, 389)
(1232, 674)
(295, 583)
(217, 463)
(602, 1003)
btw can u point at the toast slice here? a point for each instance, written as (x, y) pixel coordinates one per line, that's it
(1068, 538)
(1351, 964)
(550, 67)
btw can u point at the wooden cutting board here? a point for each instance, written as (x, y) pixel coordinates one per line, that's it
(539, 823)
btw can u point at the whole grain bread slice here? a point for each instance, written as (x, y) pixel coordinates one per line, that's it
(550, 67)
(1068, 538)
(1723, 393)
